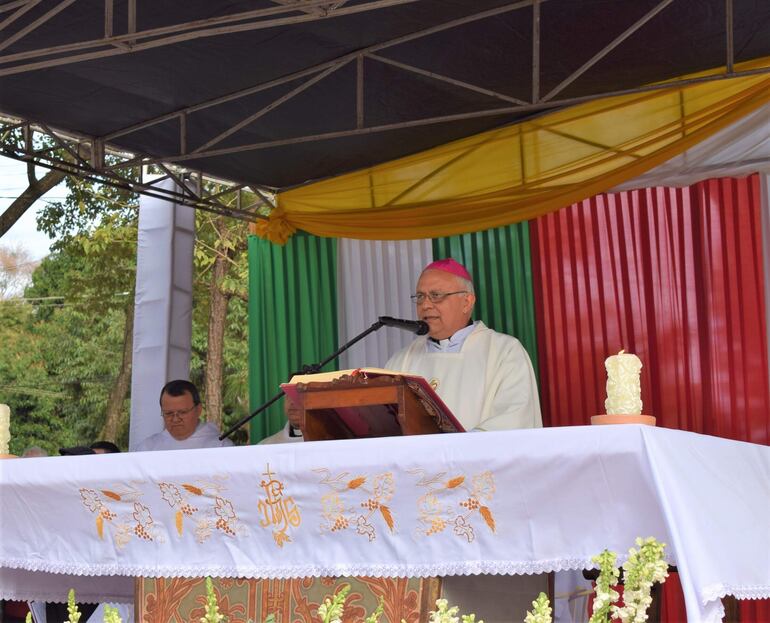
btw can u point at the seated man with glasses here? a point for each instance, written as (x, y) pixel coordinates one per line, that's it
(180, 407)
(484, 377)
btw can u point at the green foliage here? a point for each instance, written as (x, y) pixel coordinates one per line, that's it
(211, 607)
(72, 608)
(331, 610)
(541, 610)
(87, 207)
(111, 615)
(374, 617)
(25, 385)
(63, 344)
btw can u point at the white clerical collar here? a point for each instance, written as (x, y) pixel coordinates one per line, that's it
(452, 344)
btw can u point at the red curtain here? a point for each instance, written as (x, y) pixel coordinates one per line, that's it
(675, 276)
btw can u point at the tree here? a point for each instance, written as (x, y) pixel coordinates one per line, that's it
(82, 319)
(221, 264)
(96, 226)
(16, 267)
(24, 381)
(36, 189)
(68, 352)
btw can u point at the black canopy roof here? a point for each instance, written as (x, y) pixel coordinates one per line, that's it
(277, 93)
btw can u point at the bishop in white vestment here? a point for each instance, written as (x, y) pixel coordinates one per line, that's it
(484, 377)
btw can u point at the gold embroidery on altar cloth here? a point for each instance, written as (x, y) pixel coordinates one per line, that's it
(194, 502)
(454, 502)
(277, 510)
(120, 513)
(353, 502)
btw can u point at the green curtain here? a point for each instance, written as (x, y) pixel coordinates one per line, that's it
(500, 262)
(292, 317)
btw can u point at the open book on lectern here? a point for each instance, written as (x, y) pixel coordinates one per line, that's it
(370, 402)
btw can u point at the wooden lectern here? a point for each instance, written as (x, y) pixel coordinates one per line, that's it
(353, 407)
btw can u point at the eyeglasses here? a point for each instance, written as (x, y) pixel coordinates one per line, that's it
(178, 413)
(435, 297)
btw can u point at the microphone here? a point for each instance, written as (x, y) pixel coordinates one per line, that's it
(415, 326)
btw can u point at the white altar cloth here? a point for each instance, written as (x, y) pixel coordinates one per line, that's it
(526, 501)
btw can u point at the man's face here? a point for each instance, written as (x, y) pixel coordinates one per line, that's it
(450, 315)
(180, 415)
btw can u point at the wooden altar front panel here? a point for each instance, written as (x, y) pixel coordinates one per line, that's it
(162, 600)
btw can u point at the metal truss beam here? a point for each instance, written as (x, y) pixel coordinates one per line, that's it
(263, 111)
(491, 112)
(135, 41)
(22, 9)
(359, 127)
(32, 26)
(729, 43)
(339, 61)
(75, 156)
(441, 78)
(607, 49)
(286, 12)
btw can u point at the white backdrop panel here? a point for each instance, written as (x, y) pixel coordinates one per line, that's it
(375, 278)
(163, 307)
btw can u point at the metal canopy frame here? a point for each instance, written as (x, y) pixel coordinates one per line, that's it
(86, 159)
(280, 13)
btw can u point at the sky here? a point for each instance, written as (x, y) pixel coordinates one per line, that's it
(13, 181)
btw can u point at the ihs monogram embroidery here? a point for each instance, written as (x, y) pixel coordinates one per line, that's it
(277, 510)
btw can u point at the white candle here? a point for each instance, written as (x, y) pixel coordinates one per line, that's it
(5, 428)
(624, 392)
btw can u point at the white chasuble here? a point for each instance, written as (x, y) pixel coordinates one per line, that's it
(488, 385)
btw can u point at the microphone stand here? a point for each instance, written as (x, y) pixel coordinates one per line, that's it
(308, 369)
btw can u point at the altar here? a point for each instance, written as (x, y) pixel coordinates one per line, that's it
(512, 502)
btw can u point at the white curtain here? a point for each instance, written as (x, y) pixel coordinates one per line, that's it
(163, 308)
(375, 278)
(740, 149)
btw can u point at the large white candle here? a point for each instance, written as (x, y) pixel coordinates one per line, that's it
(5, 428)
(624, 392)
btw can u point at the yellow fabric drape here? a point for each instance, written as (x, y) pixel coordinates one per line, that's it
(520, 171)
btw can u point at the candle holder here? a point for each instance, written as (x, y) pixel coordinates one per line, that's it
(620, 418)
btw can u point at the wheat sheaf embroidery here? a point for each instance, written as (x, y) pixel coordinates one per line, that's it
(203, 503)
(455, 502)
(120, 513)
(356, 502)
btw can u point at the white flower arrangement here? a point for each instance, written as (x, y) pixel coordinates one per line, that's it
(643, 568)
(331, 610)
(211, 608)
(605, 595)
(541, 610)
(444, 614)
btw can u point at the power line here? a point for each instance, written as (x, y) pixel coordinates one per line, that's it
(79, 301)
